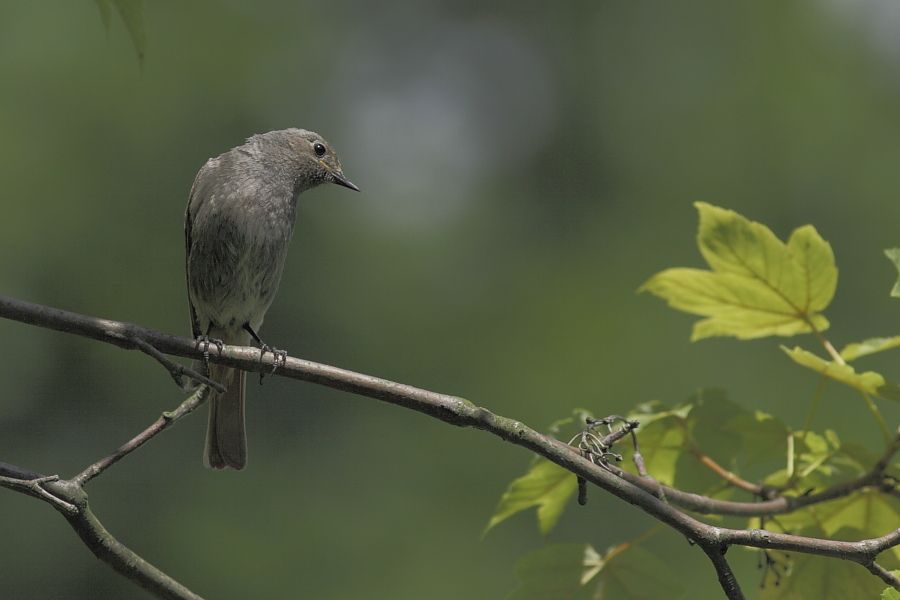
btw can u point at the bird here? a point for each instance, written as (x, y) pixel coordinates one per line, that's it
(238, 224)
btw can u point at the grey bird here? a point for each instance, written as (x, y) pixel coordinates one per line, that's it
(237, 227)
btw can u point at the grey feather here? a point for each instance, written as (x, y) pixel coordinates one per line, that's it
(238, 224)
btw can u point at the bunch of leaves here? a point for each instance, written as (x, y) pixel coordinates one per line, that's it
(670, 438)
(756, 286)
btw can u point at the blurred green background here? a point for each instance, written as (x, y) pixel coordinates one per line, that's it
(524, 166)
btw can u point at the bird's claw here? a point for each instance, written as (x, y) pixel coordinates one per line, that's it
(203, 341)
(277, 355)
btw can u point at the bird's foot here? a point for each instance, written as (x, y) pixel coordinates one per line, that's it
(203, 341)
(277, 355)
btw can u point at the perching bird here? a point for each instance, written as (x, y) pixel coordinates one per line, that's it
(238, 223)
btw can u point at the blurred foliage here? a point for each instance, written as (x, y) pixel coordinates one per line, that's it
(870, 346)
(755, 278)
(132, 15)
(894, 255)
(868, 382)
(578, 572)
(523, 166)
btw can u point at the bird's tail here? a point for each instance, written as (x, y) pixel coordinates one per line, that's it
(226, 440)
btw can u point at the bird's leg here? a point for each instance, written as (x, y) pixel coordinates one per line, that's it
(204, 341)
(263, 348)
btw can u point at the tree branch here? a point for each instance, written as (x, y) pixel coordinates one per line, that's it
(726, 576)
(450, 409)
(766, 508)
(69, 499)
(162, 423)
(885, 575)
(732, 478)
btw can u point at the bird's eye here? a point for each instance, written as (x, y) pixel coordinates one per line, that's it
(319, 149)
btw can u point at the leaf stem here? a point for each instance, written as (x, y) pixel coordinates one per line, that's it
(834, 354)
(814, 405)
(879, 418)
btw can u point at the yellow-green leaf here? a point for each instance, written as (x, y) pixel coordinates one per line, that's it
(890, 593)
(758, 285)
(870, 511)
(546, 485)
(868, 382)
(893, 255)
(870, 346)
(662, 437)
(816, 259)
(633, 573)
(733, 304)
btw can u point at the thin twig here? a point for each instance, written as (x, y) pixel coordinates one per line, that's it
(176, 370)
(732, 478)
(814, 405)
(835, 355)
(885, 575)
(879, 418)
(34, 487)
(162, 423)
(69, 499)
(773, 505)
(455, 411)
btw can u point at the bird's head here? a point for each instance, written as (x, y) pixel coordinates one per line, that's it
(312, 159)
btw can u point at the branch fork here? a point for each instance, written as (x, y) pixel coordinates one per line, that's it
(68, 497)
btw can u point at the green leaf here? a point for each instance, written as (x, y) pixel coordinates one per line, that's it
(735, 305)
(890, 593)
(816, 288)
(546, 485)
(893, 255)
(762, 435)
(633, 573)
(662, 436)
(723, 429)
(132, 15)
(824, 461)
(577, 418)
(758, 285)
(869, 511)
(712, 410)
(868, 382)
(577, 572)
(870, 346)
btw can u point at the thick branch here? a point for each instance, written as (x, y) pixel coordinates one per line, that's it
(460, 412)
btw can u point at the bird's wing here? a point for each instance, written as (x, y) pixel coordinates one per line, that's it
(189, 213)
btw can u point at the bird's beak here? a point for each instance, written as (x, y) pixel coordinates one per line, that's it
(338, 178)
